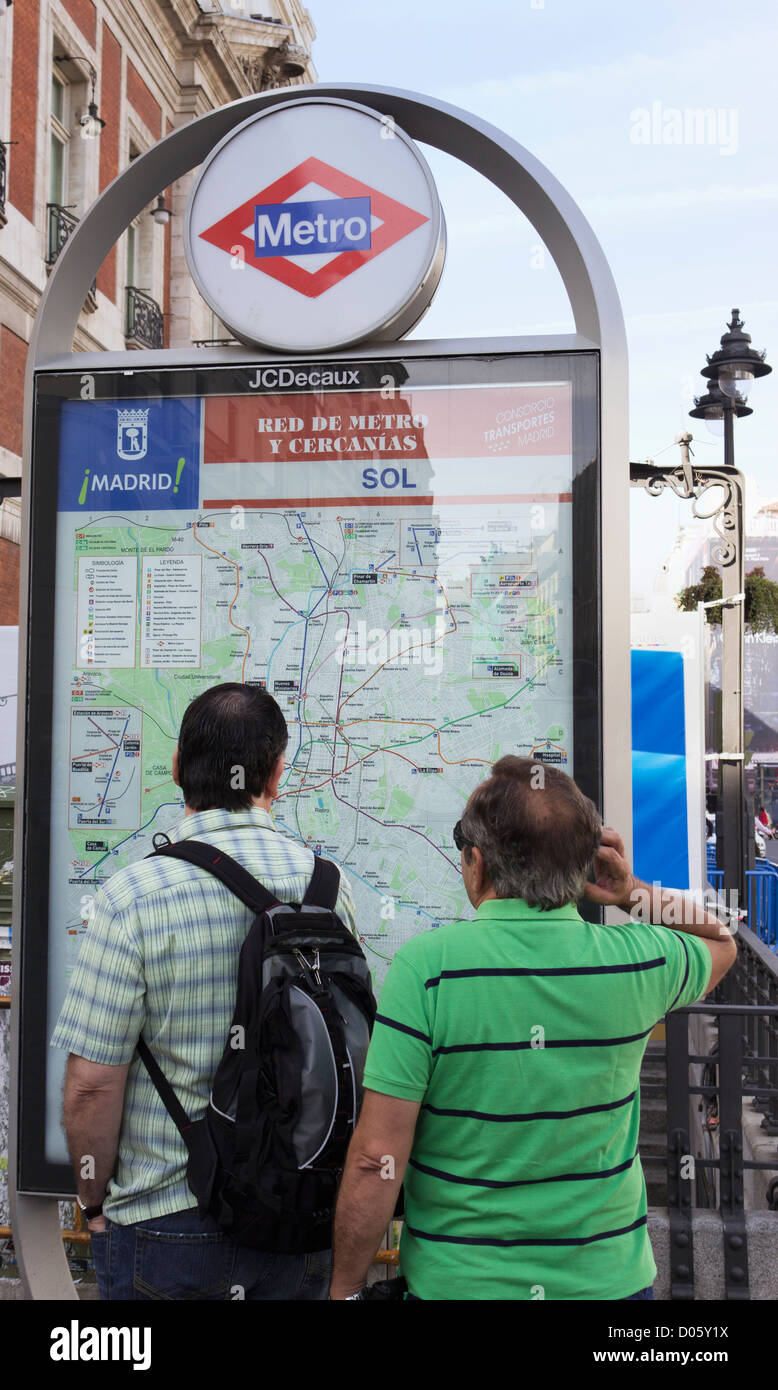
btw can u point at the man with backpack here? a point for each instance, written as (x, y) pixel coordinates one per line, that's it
(152, 1008)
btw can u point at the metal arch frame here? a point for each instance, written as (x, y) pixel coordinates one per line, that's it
(599, 324)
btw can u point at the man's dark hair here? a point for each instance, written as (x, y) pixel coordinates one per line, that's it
(231, 738)
(536, 830)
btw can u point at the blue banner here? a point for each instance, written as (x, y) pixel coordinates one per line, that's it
(660, 826)
(135, 455)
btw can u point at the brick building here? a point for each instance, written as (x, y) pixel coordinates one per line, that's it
(149, 66)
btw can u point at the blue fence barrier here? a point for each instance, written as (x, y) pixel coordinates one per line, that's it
(762, 906)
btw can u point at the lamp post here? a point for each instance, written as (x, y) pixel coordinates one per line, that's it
(161, 212)
(90, 121)
(730, 372)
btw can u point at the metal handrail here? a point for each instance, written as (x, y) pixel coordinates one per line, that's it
(743, 1063)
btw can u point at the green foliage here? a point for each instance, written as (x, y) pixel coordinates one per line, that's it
(705, 592)
(761, 606)
(761, 602)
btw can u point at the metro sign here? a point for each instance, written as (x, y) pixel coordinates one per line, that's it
(311, 225)
(345, 231)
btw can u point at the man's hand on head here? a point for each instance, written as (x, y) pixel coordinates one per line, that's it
(614, 883)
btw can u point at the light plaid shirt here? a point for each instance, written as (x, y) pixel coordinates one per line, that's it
(160, 959)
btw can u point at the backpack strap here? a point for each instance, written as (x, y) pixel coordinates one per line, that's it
(252, 894)
(322, 891)
(167, 1095)
(232, 874)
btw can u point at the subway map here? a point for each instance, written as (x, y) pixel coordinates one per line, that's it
(408, 604)
(407, 652)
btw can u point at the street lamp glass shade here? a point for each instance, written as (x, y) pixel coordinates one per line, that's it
(161, 213)
(715, 404)
(91, 123)
(735, 381)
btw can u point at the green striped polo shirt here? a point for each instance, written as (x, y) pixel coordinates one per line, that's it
(522, 1033)
(160, 960)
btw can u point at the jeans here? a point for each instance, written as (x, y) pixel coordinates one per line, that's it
(181, 1257)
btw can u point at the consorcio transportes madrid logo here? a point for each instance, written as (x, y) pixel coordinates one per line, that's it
(301, 235)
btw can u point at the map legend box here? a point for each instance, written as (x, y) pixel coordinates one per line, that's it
(106, 610)
(171, 609)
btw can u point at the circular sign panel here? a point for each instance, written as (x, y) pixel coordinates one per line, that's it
(314, 225)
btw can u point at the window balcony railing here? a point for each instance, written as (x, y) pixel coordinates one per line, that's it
(62, 223)
(144, 326)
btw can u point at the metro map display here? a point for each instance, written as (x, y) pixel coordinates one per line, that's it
(390, 553)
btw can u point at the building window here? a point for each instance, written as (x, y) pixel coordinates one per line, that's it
(59, 139)
(144, 278)
(132, 254)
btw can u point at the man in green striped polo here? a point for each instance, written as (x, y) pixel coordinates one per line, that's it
(502, 1082)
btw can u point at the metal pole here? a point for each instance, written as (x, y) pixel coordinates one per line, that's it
(731, 779)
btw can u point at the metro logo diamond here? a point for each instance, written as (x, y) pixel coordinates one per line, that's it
(284, 228)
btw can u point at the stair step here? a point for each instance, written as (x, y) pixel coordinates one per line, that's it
(653, 1116)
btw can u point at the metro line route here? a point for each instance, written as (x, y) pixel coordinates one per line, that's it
(133, 835)
(389, 748)
(221, 555)
(104, 798)
(338, 723)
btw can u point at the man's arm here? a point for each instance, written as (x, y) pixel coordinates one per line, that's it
(375, 1167)
(616, 886)
(94, 1099)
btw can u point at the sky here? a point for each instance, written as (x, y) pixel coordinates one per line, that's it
(591, 88)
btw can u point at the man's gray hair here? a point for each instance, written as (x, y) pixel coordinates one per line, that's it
(536, 830)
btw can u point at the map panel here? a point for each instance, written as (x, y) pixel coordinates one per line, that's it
(397, 574)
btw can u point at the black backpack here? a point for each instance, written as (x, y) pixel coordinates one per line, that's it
(266, 1158)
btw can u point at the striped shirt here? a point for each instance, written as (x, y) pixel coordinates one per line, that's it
(522, 1034)
(160, 960)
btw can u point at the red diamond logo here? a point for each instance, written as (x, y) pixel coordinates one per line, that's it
(397, 221)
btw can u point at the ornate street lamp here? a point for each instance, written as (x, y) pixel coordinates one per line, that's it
(161, 212)
(736, 364)
(91, 122)
(730, 373)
